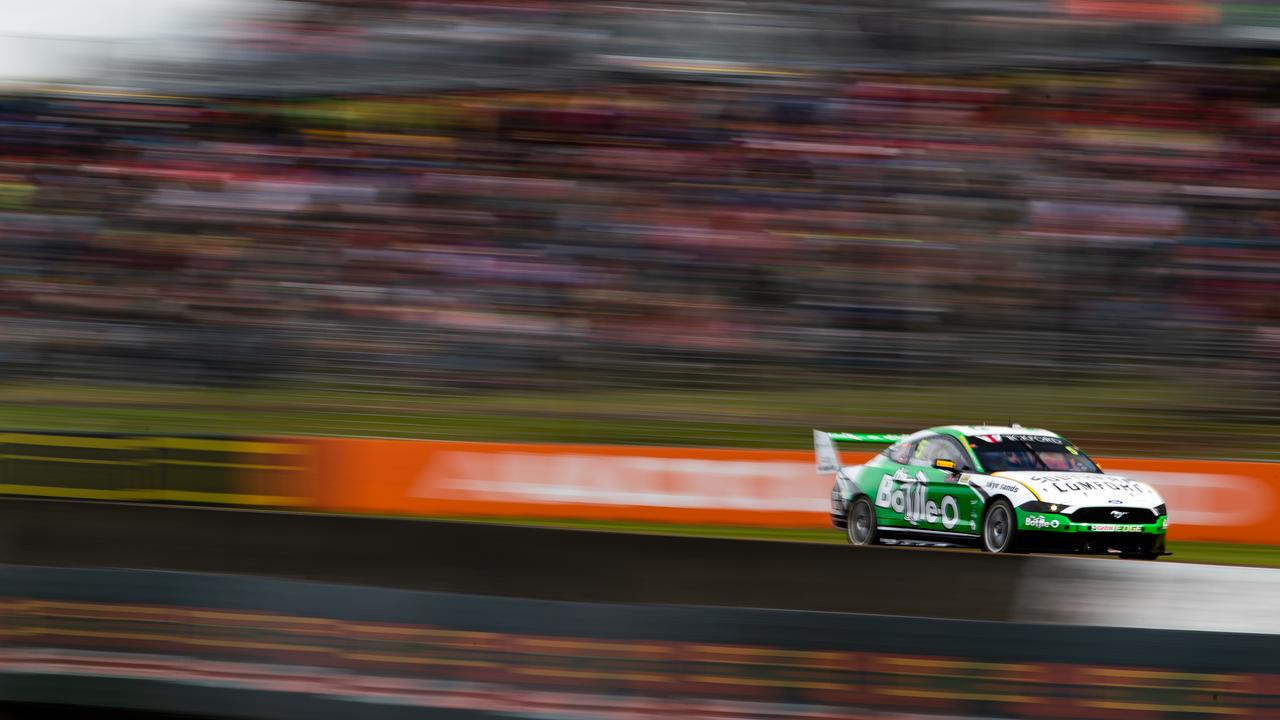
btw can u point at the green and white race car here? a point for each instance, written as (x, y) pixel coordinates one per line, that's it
(1004, 489)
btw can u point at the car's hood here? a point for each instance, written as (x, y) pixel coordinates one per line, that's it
(1080, 489)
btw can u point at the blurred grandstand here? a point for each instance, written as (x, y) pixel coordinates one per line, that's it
(402, 201)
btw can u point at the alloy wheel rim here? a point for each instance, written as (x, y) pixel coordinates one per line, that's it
(861, 524)
(998, 529)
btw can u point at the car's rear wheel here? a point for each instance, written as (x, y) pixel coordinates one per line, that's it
(999, 527)
(860, 523)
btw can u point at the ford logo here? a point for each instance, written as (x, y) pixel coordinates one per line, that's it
(1116, 502)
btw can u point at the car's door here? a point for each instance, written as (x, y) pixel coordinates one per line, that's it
(886, 480)
(946, 504)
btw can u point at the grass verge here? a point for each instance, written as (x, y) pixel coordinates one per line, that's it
(1120, 417)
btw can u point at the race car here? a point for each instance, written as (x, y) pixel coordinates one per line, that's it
(1003, 489)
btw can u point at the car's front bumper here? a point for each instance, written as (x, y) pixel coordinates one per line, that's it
(1053, 532)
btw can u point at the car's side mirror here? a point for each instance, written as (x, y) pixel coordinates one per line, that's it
(948, 465)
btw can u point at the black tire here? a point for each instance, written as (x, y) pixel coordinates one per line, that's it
(999, 527)
(860, 523)
(1155, 551)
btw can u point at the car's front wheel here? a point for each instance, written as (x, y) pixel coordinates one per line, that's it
(860, 522)
(999, 527)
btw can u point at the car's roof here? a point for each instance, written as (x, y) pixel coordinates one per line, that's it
(975, 430)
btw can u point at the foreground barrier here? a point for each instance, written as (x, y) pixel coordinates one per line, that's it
(272, 649)
(504, 560)
(586, 566)
(1208, 500)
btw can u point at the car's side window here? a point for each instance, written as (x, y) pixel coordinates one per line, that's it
(940, 447)
(918, 454)
(899, 452)
(956, 454)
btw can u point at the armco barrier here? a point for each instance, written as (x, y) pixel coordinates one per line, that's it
(218, 470)
(271, 649)
(1208, 500)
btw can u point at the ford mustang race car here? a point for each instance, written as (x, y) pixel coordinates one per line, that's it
(1004, 489)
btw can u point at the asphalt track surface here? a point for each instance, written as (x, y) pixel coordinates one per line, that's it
(512, 561)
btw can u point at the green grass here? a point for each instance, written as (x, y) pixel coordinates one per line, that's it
(1124, 416)
(1226, 554)
(1189, 552)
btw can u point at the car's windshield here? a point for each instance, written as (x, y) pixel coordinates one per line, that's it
(1029, 452)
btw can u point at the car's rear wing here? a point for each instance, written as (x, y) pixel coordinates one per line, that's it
(824, 446)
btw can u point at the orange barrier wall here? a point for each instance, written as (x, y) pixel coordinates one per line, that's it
(677, 485)
(1208, 500)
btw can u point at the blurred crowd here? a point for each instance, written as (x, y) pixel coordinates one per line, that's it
(624, 230)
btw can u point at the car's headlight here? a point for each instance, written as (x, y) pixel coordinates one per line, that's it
(1161, 510)
(1042, 507)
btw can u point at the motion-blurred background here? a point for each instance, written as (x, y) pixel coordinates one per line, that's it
(698, 222)
(236, 233)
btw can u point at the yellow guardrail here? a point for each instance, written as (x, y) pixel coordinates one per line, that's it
(234, 471)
